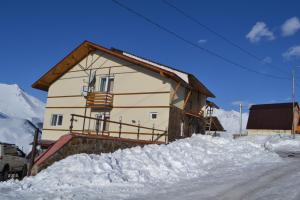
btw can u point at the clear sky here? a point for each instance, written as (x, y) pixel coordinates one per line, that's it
(35, 35)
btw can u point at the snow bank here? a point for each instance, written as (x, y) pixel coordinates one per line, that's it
(283, 143)
(184, 159)
(279, 143)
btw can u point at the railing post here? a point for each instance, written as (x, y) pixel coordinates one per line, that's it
(33, 151)
(83, 124)
(97, 126)
(166, 134)
(104, 124)
(71, 125)
(152, 132)
(120, 127)
(138, 133)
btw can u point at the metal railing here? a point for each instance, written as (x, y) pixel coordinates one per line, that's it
(152, 134)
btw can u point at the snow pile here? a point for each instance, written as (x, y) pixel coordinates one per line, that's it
(16, 107)
(142, 167)
(283, 143)
(15, 103)
(230, 120)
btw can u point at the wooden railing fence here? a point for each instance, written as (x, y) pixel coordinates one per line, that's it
(153, 133)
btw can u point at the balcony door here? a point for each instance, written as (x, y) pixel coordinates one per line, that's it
(102, 125)
(106, 84)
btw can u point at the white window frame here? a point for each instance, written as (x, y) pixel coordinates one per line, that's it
(106, 82)
(151, 115)
(57, 119)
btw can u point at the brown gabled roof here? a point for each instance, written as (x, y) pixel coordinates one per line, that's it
(87, 47)
(277, 116)
(211, 104)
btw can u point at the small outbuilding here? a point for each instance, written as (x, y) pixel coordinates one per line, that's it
(265, 119)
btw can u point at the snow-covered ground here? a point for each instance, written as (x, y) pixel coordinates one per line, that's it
(200, 167)
(16, 107)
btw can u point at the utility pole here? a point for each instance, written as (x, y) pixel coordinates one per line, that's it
(293, 99)
(241, 119)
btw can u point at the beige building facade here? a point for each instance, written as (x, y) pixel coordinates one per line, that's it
(115, 86)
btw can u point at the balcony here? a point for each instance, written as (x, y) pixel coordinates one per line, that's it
(100, 100)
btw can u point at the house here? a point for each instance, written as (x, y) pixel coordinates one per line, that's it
(272, 118)
(99, 91)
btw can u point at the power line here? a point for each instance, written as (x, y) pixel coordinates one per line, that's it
(182, 12)
(193, 44)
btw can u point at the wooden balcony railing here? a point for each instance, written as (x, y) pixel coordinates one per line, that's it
(99, 100)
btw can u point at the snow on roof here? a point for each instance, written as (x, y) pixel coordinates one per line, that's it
(182, 75)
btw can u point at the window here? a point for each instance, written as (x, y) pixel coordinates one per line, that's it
(56, 120)
(153, 115)
(106, 84)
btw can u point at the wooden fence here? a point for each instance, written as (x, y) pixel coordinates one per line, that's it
(155, 134)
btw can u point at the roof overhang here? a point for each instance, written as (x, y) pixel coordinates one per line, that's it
(85, 48)
(212, 104)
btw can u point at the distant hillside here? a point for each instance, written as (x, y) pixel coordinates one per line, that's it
(16, 103)
(16, 108)
(231, 120)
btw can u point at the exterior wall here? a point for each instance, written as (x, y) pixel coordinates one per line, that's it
(267, 132)
(196, 102)
(182, 125)
(179, 97)
(149, 92)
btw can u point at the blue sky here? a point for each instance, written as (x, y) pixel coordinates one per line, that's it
(35, 35)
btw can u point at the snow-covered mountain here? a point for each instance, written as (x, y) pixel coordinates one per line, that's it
(230, 120)
(16, 103)
(16, 109)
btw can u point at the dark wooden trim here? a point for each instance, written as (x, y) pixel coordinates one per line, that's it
(125, 132)
(141, 106)
(124, 93)
(106, 132)
(174, 92)
(138, 93)
(114, 66)
(62, 107)
(65, 107)
(65, 96)
(187, 99)
(75, 77)
(59, 129)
